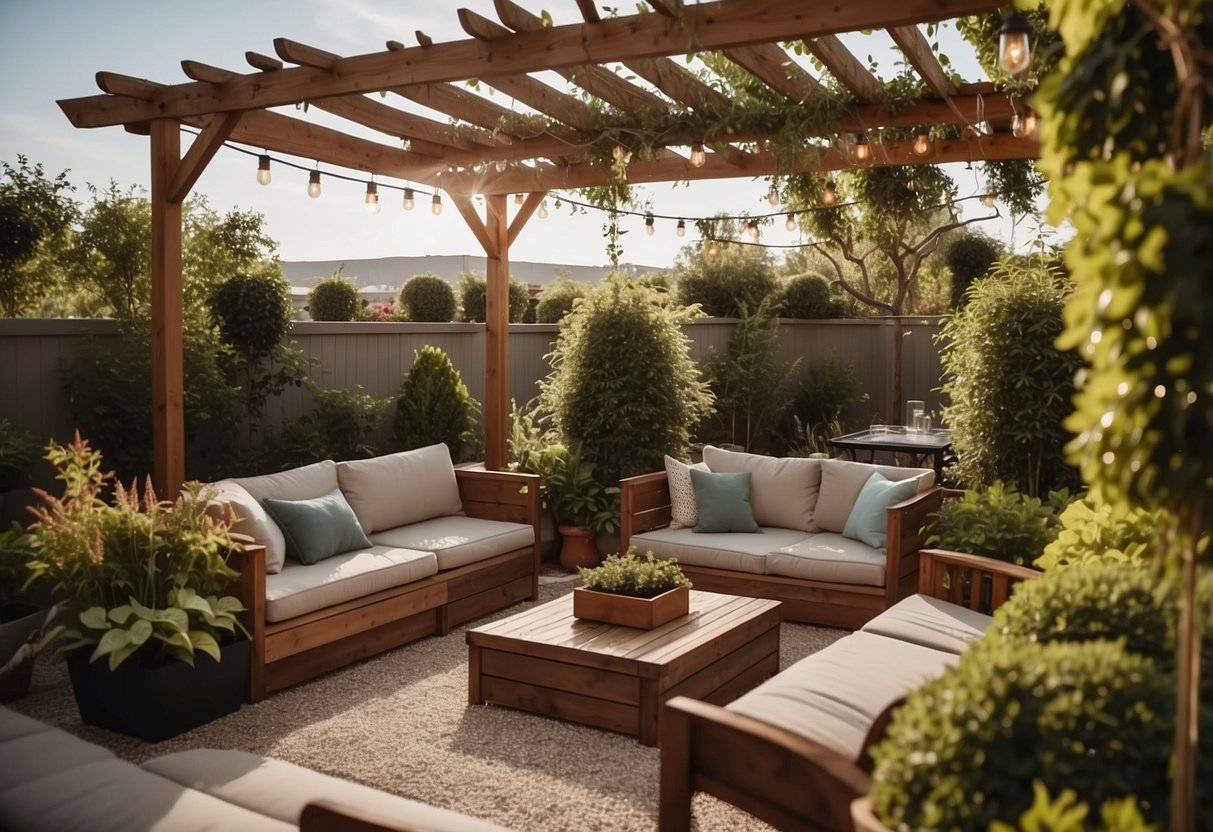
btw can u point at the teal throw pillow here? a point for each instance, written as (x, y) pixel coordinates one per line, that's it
(868, 521)
(724, 502)
(318, 528)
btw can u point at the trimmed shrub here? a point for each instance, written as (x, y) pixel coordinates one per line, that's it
(473, 294)
(333, 299)
(253, 312)
(342, 425)
(434, 405)
(806, 296)
(556, 300)
(969, 258)
(427, 297)
(737, 277)
(1093, 530)
(998, 522)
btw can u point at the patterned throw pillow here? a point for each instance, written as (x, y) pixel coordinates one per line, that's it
(684, 510)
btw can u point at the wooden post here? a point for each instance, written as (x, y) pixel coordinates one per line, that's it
(168, 385)
(496, 334)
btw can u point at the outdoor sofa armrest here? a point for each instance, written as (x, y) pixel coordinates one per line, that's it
(950, 576)
(500, 495)
(644, 504)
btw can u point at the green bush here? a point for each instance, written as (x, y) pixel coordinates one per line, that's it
(427, 297)
(807, 296)
(1093, 530)
(969, 258)
(965, 748)
(738, 276)
(831, 387)
(623, 385)
(342, 424)
(1010, 388)
(333, 299)
(630, 574)
(556, 300)
(253, 312)
(434, 405)
(473, 291)
(998, 522)
(17, 454)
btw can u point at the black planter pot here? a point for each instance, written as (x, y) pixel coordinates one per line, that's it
(155, 703)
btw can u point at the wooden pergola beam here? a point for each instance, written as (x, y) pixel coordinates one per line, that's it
(913, 44)
(775, 68)
(846, 67)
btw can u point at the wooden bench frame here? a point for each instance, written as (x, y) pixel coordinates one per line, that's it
(782, 777)
(645, 505)
(288, 652)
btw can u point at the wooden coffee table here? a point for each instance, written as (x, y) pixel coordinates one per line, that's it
(546, 661)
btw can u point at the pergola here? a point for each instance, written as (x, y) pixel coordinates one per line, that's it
(481, 150)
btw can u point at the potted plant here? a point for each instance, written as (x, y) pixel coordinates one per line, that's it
(21, 616)
(633, 591)
(581, 504)
(146, 619)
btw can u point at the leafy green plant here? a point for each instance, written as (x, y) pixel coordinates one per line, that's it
(17, 452)
(473, 291)
(1066, 813)
(15, 548)
(998, 522)
(427, 297)
(830, 389)
(737, 277)
(1095, 530)
(806, 296)
(434, 404)
(574, 494)
(343, 424)
(1009, 385)
(557, 299)
(36, 217)
(333, 299)
(142, 578)
(969, 257)
(630, 574)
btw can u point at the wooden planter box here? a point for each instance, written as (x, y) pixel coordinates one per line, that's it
(628, 611)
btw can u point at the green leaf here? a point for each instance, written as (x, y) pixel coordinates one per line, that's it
(204, 642)
(94, 618)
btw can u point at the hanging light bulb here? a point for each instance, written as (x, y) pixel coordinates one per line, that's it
(410, 199)
(648, 225)
(862, 150)
(829, 194)
(619, 153)
(988, 199)
(263, 169)
(1014, 44)
(372, 197)
(922, 142)
(1023, 124)
(743, 223)
(698, 157)
(543, 210)
(681, 228)
(436, 204)
(911, 185)
(313, 184)
(790, 224)
(519, 199)
(713, 248)
(752, 229)
(773, 197)
(1029, 122)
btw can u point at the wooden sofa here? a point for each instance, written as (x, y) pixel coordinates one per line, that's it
(796, 778)
(646, 506)
(289, 650)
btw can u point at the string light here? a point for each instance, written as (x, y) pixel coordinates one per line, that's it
(862, 150)
(1014, 44)
(543, 210)
(436, 204)
(922, 142)
(313, 184)
(752, 229)
(1023, 124)
(713, 248)
(698, 157)
(911, 185)
(263, 169)
(681, 228)
(773, 197)
(648, 225)
(410, 199)
(988, 199)
(519, 199)
(372, 198)
(790, 224)
(829, 194)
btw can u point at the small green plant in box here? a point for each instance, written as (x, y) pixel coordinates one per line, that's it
(630, 574)
(998, 522)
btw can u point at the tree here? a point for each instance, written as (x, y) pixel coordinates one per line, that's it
(969, 257)
(726, 278)
(112, 257)
(36, 215)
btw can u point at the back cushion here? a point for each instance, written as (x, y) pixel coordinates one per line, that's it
(841, 482)
(304, 483)
(783, 492)
(399, 489)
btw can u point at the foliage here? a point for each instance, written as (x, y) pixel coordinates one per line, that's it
(473, 292)
(333, 299)
(623, 383)
(1094, 530)
(1009, 386)
(574, 494)
(434, 405)
(969, 257)
(630, 574)
(1067, 814)
(751, 381)
(216, 246)
(112, 254)
(17, 452)
(15, 549)
(427, 297)
(380, 313)
(342, 424)
(723, 285)
(998, 522)
(806, 296)
(557, 299)
(831, 387)
(966, 747)
(142, 578)
(36, 216)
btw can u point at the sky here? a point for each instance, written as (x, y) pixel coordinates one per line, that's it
(51, 49)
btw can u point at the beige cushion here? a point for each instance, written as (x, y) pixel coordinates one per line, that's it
(833, 696)
(300, 589)
(398, 489)
(684, 510)
(829, 557)
(459, 540)
(783, 491)
(280, 790)
(41, 750)
(931, 622)
(303, 483)
(736, 551)
(841, 482)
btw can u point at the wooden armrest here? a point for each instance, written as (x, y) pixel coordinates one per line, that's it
(644, 504)
(331, 816)
(499, 495)
(907, 518)
(950, 576)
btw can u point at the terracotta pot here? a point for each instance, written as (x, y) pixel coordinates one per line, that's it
(578, 549)
(629, 611)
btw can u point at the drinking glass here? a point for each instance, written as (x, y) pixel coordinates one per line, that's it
(914, 407)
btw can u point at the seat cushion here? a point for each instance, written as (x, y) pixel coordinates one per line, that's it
(280, 790)
(829, 557)
(739, 551)
(459, 540)
(841, 482)
(833, 696)
(783, 491)
(41, 750)
(398, 489)
(303, 483)
(300, 589)
(931, 622)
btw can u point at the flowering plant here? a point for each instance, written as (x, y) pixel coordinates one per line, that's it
(630, 574)
(141, 577)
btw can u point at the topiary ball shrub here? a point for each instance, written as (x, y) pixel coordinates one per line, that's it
(557, 298)
(998, 522)
(333, 299)
(965, 748)
(427, 297)
(473, 293)
(434, 405)
(253, 312)
(969, 258)
(806, 296)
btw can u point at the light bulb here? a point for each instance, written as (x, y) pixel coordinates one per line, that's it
(681, 228)
(752, 229)
(1014, 44)
(410, 199)
(372, 197)
(742, 224)
(1029, 123)
(263, 169)
(648, 225)
(436, 204)
(313, 184)
(988, 199)
(829, 194)
(773, 197)
(713, 248)
(922, 143)
(543, 210)
(790, 224)
(911, 185)
(1023, 125)
(619, 152)
(698, 157)
(519, 199)
(862, 150)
